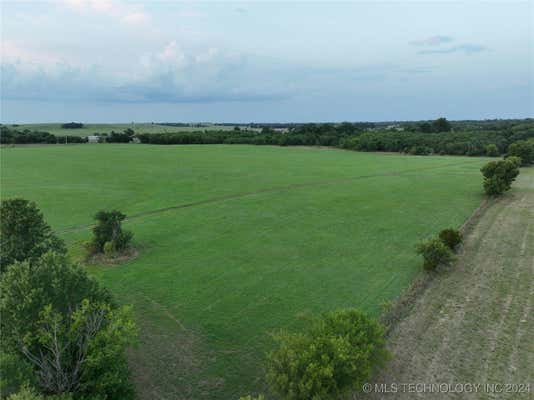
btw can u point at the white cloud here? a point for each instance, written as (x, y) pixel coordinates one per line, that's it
(128, 13)
(135, 18)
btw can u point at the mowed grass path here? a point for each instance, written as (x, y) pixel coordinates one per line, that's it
(280, 234)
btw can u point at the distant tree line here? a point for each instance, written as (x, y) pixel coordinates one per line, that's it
(72, 125)
(14, 136)
(471, 138)
(437, 137)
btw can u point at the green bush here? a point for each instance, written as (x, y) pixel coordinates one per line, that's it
(492, 150)
(451, 237)
(109, 229)
(499, 175)
(338, 353)
(434, 253)
(249, 397)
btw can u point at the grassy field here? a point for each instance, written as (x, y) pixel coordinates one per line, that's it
(238, 241)
(91, 129)
(474, 324)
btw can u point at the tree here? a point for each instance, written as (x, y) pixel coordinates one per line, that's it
(67, 327)
(109, 230)
(499, 175)
(338, 353)
(441, 125)
(24, 233)
(492, 150)
(524, 150)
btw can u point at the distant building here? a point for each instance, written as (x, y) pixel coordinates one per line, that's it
(93, 139)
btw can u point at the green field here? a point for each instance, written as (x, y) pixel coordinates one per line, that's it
(238, 241)
(91, 129)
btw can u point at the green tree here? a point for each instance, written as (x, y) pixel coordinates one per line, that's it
(499, 175)
(24, 234)
(67, 327)
(523, 149)
(441, 125)
(109, 229)
(338, 353)
(492, 150)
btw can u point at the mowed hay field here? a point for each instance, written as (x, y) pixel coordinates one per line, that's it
(239, 241)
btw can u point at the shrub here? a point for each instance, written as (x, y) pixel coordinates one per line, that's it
(249, 397)
(434, 253)
(492, 150)
(25, 235)
(451, 237)
(109, 229)
(338, 353)
(524, 150)
(499, 175)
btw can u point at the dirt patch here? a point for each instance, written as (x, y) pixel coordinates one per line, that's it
(129, 254)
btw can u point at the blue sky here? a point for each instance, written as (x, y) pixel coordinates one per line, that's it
(120, 61)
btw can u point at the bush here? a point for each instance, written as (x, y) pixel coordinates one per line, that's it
(434, 253)
(492, 150)
(451, 237)
(109, 230)
(25, 235)
(499, 175)
(249, 397)
(338, 353)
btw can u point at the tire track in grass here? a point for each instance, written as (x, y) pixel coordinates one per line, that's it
(284, 188)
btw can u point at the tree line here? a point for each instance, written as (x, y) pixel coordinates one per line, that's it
(26, 136)
(466, 138)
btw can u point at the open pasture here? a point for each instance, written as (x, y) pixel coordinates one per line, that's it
(239, 241)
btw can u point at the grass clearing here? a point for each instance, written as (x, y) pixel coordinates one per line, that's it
(238, 241)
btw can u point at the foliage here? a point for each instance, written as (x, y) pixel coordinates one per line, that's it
(492, 150)
(67, 327)
(434, 253)
(451, 237)
(24, 233)
(523, 149)
(28, 393)
(15, 372)
(109, 230)
(116, 137)
(26, 136)
(249, 397)
(499, 175)
(435, 137)
(338, 353)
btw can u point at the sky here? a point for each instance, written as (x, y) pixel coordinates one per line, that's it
(169, 61)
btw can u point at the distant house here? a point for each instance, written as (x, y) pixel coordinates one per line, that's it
(93, 139)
